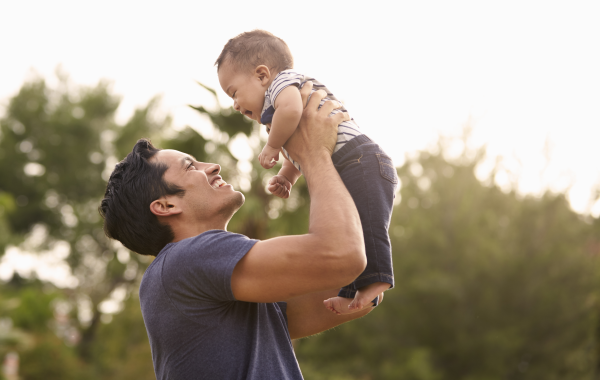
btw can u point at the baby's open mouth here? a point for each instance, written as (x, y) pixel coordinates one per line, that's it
(248, 113)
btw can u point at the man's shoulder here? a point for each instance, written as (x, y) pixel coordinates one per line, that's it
(206, 240)
(199, 266)
(209, 246)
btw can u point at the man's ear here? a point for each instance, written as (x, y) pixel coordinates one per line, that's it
(164, 207)
(263, 74)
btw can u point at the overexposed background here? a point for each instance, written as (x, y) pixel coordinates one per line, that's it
(524, 74)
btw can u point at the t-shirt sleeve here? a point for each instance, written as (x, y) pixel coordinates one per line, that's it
(283, 80)
(201, 267)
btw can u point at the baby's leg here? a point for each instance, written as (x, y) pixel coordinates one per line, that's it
(370, 177)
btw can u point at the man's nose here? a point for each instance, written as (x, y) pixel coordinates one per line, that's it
(212, 169)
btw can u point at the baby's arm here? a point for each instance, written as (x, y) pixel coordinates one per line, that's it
(288, 111)
(281, 184)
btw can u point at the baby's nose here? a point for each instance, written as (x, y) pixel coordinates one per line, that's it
(236, 106)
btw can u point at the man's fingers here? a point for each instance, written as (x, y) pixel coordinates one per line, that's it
(339, 117)
(329, 106)
(305, 93)
(315, 99)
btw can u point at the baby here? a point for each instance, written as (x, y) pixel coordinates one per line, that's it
(255, 70)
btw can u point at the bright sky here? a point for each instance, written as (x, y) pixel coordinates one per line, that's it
(526, 73)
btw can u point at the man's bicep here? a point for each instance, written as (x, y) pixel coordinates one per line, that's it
(282, 268)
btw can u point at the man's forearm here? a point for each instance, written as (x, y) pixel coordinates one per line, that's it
(307, 315)
(333, 214)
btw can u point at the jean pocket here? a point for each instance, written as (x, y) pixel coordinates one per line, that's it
(387, 169)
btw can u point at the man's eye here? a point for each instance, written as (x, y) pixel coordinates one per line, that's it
(191, 165)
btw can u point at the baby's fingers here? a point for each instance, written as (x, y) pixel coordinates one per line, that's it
(279, 190)
(275, 189)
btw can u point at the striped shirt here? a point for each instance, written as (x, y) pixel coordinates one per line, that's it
(347, 130)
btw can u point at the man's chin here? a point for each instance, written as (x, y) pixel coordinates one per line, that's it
(240, 200)
(234, 203)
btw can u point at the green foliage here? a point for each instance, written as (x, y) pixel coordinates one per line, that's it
(55, 144)
(121, 350)
(34, 309)
(68, 135)
(489, 285)
(50, 359)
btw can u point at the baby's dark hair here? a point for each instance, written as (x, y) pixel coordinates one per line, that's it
(258, 47)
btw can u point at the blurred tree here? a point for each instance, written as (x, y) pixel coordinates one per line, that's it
(28, 312)
(57, 147)
(55, 144)
(121, 350)
(490, 285)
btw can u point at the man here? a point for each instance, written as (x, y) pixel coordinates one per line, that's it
(218, 305)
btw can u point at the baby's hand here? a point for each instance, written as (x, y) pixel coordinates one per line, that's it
(280, 186)
(267, 156)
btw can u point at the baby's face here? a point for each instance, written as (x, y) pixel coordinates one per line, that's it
(245, 88)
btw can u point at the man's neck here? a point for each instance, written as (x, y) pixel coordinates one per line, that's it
(189, 231)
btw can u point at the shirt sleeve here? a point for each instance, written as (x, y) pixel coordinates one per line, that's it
(201, 267)
(284, 79)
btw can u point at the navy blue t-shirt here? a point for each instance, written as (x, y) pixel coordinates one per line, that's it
(196, 328)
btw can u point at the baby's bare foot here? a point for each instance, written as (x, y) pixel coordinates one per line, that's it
(366, 294)
(339, 305)
(364, 298)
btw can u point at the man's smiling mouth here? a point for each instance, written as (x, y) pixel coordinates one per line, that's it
(218, 183)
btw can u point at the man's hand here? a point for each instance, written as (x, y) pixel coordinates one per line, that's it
(317, 132)
(268, 157)
(280, 186)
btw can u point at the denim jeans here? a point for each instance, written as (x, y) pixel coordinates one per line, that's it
(371, 180)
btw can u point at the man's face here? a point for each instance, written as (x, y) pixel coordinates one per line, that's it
(245, 88)
(207, 195)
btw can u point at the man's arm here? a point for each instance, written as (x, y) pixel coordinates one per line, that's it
(332, 253)
(307, 316)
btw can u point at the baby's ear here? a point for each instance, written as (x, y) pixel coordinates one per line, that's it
(263, 73)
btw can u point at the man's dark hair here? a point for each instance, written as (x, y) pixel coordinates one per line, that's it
(258, 47)
(133, 185)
